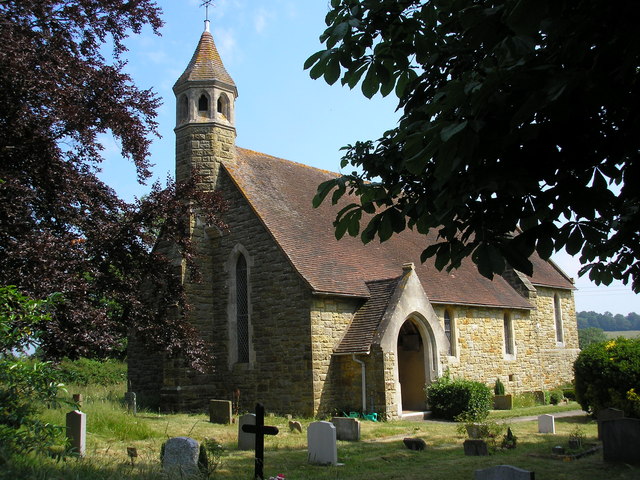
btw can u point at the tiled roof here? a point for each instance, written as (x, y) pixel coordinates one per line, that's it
(548, 274)
(205, 64)
(366, 321)
(280, 192)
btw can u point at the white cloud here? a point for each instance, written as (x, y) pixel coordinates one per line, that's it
(261, 19)
(226, 44)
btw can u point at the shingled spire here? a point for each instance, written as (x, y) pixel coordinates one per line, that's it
(206, 65)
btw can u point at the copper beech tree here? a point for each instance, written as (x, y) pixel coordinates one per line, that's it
(62, 230)
(519, 128)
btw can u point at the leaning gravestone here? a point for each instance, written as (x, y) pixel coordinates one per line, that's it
(621, 440)
(180, 457)
(321, 441)
(220, 411)
(546, 424)
(77, 431)
(503, 472)
(608, 414)
(246, 441)
(475, 447)
(414, 443)
(130, 399)
(347, 428)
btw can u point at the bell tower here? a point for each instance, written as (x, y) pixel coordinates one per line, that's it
(205, 115)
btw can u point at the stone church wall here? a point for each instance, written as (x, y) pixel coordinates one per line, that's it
(336, 379)
(539, 363)
(279, 372)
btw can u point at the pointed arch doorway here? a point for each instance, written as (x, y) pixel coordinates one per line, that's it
(413, 365)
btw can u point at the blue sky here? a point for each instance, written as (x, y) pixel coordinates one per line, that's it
(279, 110)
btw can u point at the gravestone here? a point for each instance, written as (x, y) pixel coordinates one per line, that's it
(414, 443)
(220, 411)
(246, 441)
(475, 447)
(503, 472)
(77, 431)
(608, 414)
(130, 399)
(546, 424)
(347, 428)
(180, 457)
(321, 444)
(77, 399)
(260, 430)
(621, 440)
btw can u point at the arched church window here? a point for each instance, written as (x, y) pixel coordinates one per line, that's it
(449, 330)
(509, 347)
(557, 310)
(223, 105)
(203, 103)
(183, 109)
(242, 310)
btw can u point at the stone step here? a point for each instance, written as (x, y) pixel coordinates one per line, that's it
(415, 416)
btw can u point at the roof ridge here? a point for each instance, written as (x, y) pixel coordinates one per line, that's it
(255, 152)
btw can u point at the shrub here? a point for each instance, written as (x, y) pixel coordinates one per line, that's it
(26, 386)
(449, 399)
(525, 400)
(606, 375)
(85, 371)
(498, 387)
(569, 393)
(555, 396)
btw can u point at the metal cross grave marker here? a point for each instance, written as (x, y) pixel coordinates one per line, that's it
(260, 429)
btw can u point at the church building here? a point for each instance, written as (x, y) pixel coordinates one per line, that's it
(309, 325)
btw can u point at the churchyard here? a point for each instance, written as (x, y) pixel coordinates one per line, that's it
(113, 434)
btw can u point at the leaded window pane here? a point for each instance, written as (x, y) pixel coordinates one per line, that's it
(447, 330)
(242, 310)
(508, 336)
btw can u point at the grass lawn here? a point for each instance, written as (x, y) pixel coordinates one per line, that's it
(380, 455)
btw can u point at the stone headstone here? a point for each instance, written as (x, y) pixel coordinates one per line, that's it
(220, 411)
(180, 456)
(546, 424)
(130, 399)
(295, 426)
(347, 428)
(77, 399)
(77, 431)
(414, 443)
(503, 472)
(608, 414)
(321, 444)
(475, 447)
(621, 440)
(246, 441)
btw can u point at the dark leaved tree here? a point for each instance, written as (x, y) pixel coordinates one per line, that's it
(519, 128)
(62, 229)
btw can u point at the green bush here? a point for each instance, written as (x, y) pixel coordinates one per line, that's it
(26, 386)
(466, 399)
(498, 387)
(85, 371)
(525, 400)
(555, 396)
(607, 374)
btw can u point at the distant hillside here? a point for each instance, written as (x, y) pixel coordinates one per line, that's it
(608, 321)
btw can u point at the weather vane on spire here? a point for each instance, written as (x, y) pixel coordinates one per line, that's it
(206, 4)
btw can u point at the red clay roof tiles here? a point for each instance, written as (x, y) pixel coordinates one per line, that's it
(280, 192)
